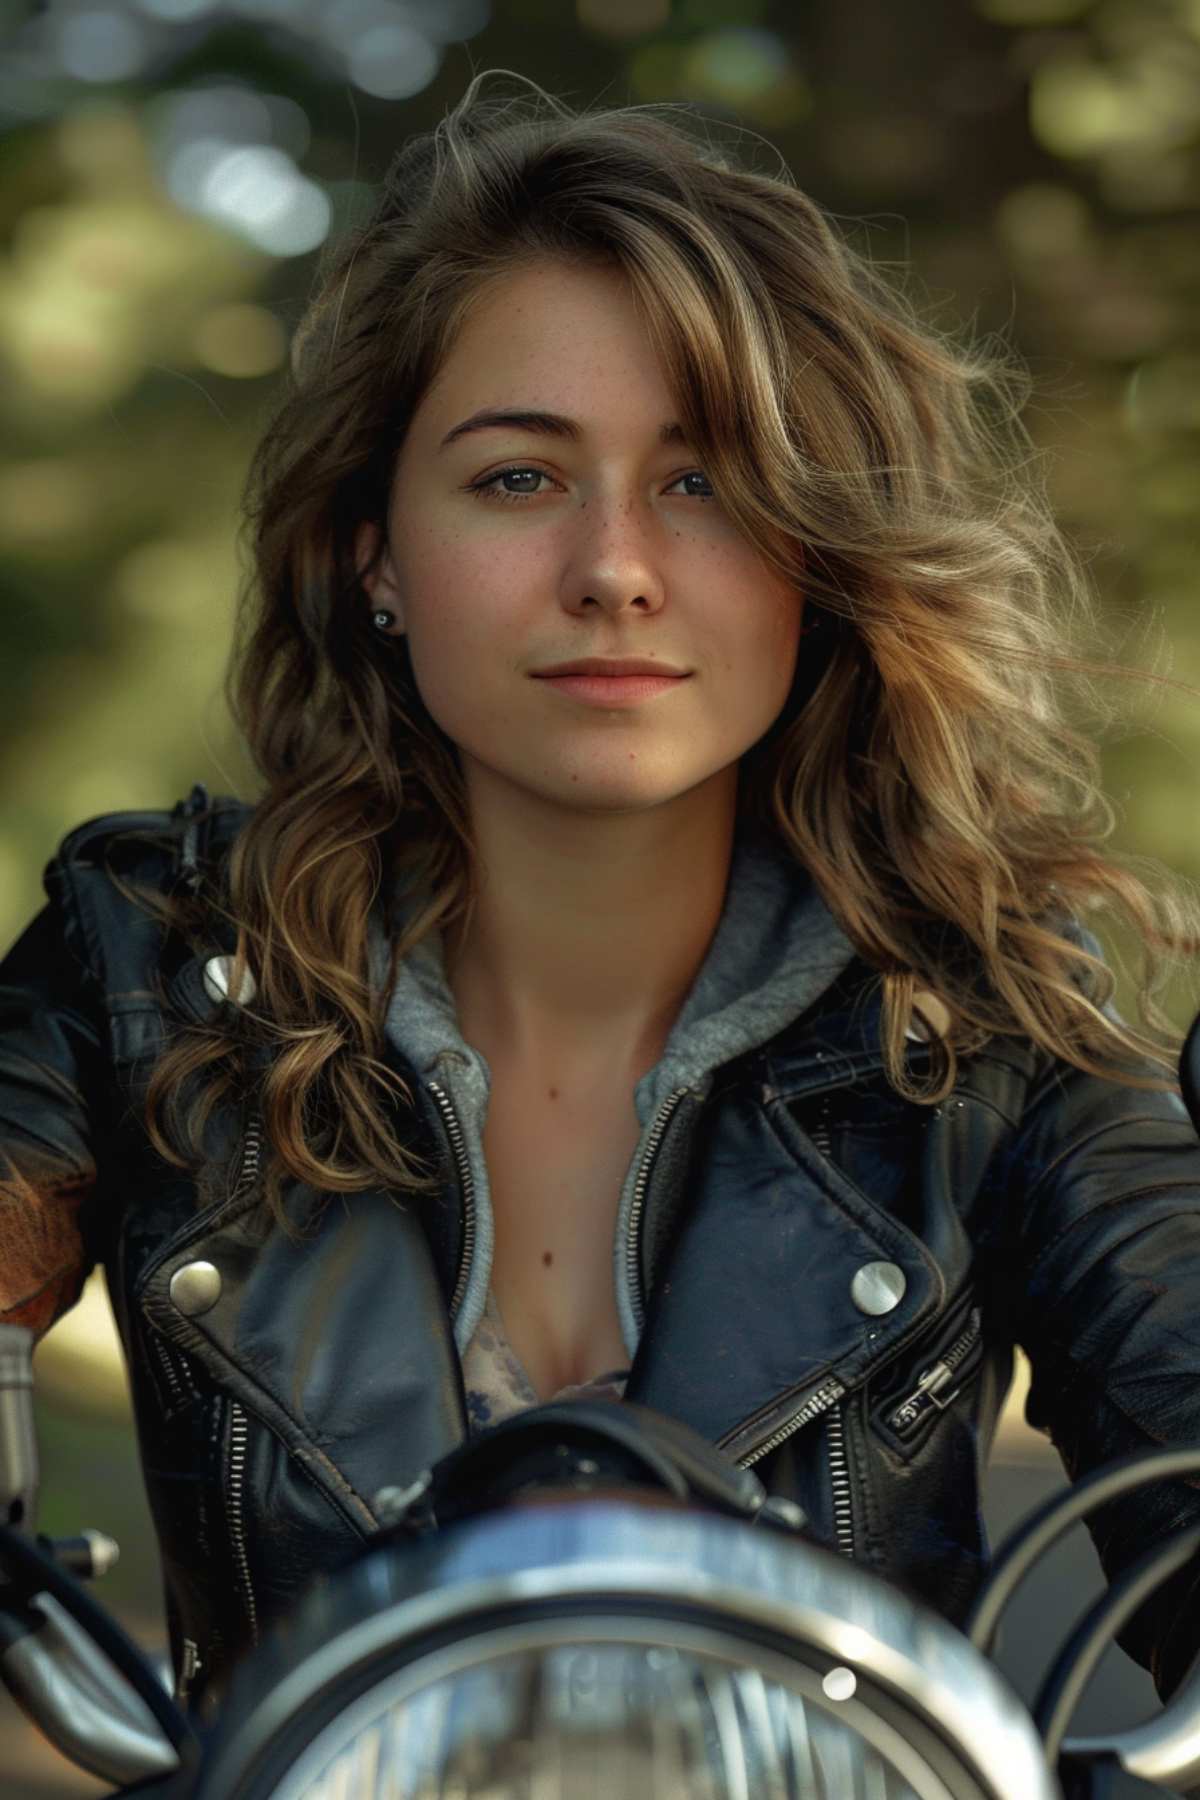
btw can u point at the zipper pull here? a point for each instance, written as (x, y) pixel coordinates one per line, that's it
(928, 1392)
(190, 1669)
(931, 1386)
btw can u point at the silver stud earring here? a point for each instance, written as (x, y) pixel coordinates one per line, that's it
(382, 620)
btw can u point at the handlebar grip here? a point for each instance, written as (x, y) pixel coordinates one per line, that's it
(18, 1443)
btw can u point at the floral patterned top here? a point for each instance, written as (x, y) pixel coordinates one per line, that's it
(496, 1382)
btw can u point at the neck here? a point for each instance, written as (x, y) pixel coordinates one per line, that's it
(588, 930)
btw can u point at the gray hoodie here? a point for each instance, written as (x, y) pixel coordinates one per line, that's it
(776, 949)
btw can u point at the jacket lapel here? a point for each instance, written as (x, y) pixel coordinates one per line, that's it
(334, 1334)
(760, 1294)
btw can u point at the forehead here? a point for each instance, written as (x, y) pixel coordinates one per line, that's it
(553, 326)
(546, 285)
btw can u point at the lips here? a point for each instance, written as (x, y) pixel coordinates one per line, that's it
(614, 667)
(614, 692)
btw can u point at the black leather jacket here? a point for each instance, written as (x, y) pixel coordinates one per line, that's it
(856, 1349)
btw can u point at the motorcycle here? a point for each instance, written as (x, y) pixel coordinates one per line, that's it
(589, 1600)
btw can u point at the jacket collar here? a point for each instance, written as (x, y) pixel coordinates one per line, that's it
(765, 1235)
(776, 951)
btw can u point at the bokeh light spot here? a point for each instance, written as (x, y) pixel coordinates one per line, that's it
(737, 64)
(290, 128)
(99, 142)
(42, 501)
(1079, 107)
(165, 579)
(215, 110)
(743, 68)
(448, 21)
(240, 340)
(1163, 394)
(392, 61)
(259, 191)
(101, 45)
(1044, 219)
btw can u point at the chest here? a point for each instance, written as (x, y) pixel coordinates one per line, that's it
(557, 1156)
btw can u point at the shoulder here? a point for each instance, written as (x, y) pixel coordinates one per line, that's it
(170, 844)
(107, 872)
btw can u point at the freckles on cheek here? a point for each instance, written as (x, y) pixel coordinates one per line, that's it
(491, 594)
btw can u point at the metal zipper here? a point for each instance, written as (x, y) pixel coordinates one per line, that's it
(170, 1375)
(238, 1435)
(637, 1207)
(467, 1183)
(930, 1390)
(817, 1401)
(821, 1402)
(839, 1475)
(251, 1156)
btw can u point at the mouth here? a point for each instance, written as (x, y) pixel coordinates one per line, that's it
(611, 665)
(613, 690)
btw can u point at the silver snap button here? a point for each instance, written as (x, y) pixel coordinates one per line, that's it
(218, 972)
(195, 1288)
(936, 1007)
(878, 1287)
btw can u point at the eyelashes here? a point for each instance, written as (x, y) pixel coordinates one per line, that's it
(488, 489)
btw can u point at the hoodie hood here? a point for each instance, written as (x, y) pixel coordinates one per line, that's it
(775, 951)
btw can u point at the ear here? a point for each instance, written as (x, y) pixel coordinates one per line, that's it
(377, 572)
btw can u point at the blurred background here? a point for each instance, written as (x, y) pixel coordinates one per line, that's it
(169, 173)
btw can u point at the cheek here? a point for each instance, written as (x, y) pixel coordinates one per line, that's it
(785, 624)
(775, 639)
(461, 641)
(461, 591)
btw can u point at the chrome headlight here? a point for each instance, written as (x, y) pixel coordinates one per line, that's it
(580, 1648)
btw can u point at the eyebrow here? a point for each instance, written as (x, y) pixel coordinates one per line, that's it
(543, 424)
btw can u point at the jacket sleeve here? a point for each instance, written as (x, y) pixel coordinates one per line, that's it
(1103, 1235)
(53, 1039)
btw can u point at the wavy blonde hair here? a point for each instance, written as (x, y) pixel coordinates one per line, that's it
(936, 766)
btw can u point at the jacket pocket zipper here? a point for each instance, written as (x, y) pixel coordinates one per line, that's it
(936, 1387)
(236, 1476)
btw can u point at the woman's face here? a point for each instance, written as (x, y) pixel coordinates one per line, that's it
(513, 548)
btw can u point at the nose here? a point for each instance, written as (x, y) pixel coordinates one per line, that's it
(616, 568)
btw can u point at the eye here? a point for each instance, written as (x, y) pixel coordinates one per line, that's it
(489, 490)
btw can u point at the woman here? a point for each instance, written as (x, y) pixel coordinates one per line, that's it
(723, 1037)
